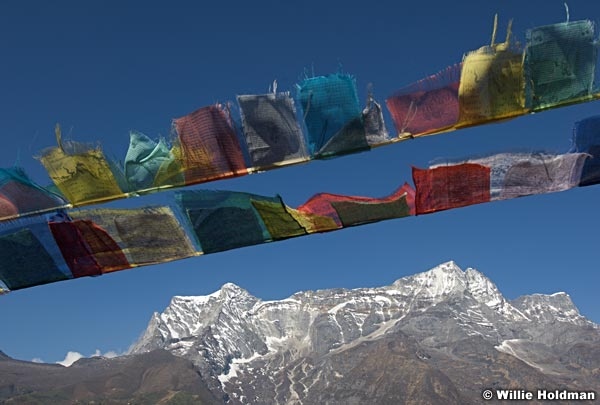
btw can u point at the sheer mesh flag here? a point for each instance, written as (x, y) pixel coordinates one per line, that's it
(375, 129)
(7, 208)
(26, 262)
(427, 106)
(330, 106)
(82, 174)
(280, 223)
(351, 210)
(19, 195)
(313, 223)
(586, 139)
(359, 134)
(209, 146)
(224, 220)
(492, 84)
(350, 139)
(144, 159)
(171, 172)
(541, 173)
(3, 288)
(560, 62)
(498, 165)
(87, 248)
(271, 129)
(356, 213)
(146, 235)
(445, 187)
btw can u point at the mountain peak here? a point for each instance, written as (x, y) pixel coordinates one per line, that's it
(482, 289)
(226, 292)
(549, 308)
(446, 270)
(439, 281)
(449, 267)
(232, 289)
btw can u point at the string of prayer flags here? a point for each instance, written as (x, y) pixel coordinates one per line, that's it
(496, 177)
(93, 242)
(495, 82)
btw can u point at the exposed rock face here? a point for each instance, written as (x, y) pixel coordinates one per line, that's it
(436, 337)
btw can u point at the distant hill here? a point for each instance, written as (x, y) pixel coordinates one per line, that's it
(151, 378)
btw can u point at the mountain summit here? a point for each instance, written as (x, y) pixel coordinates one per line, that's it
(439, 336)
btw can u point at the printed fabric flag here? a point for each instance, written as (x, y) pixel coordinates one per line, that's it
(499, 164)
(560, 63)
(271, 129)
(223, 220)
(453, 186)
(145, 235)
(492, 84)
(330, 106)
(87, 248)
(144, 159)
(29, 255)
(542, 173)
(280, 223)
(81, 173)
(359, 134)
(350, 210)
(375, 130)
(208, 146)
(19, 195)
(7, 208)
(586, 139)
(427, 106)
(313, 223)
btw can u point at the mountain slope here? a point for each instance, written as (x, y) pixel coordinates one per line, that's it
(438, 336)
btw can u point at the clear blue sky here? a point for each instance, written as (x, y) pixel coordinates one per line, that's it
(101, 68)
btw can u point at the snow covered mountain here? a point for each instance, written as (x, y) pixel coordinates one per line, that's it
(411, 337)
